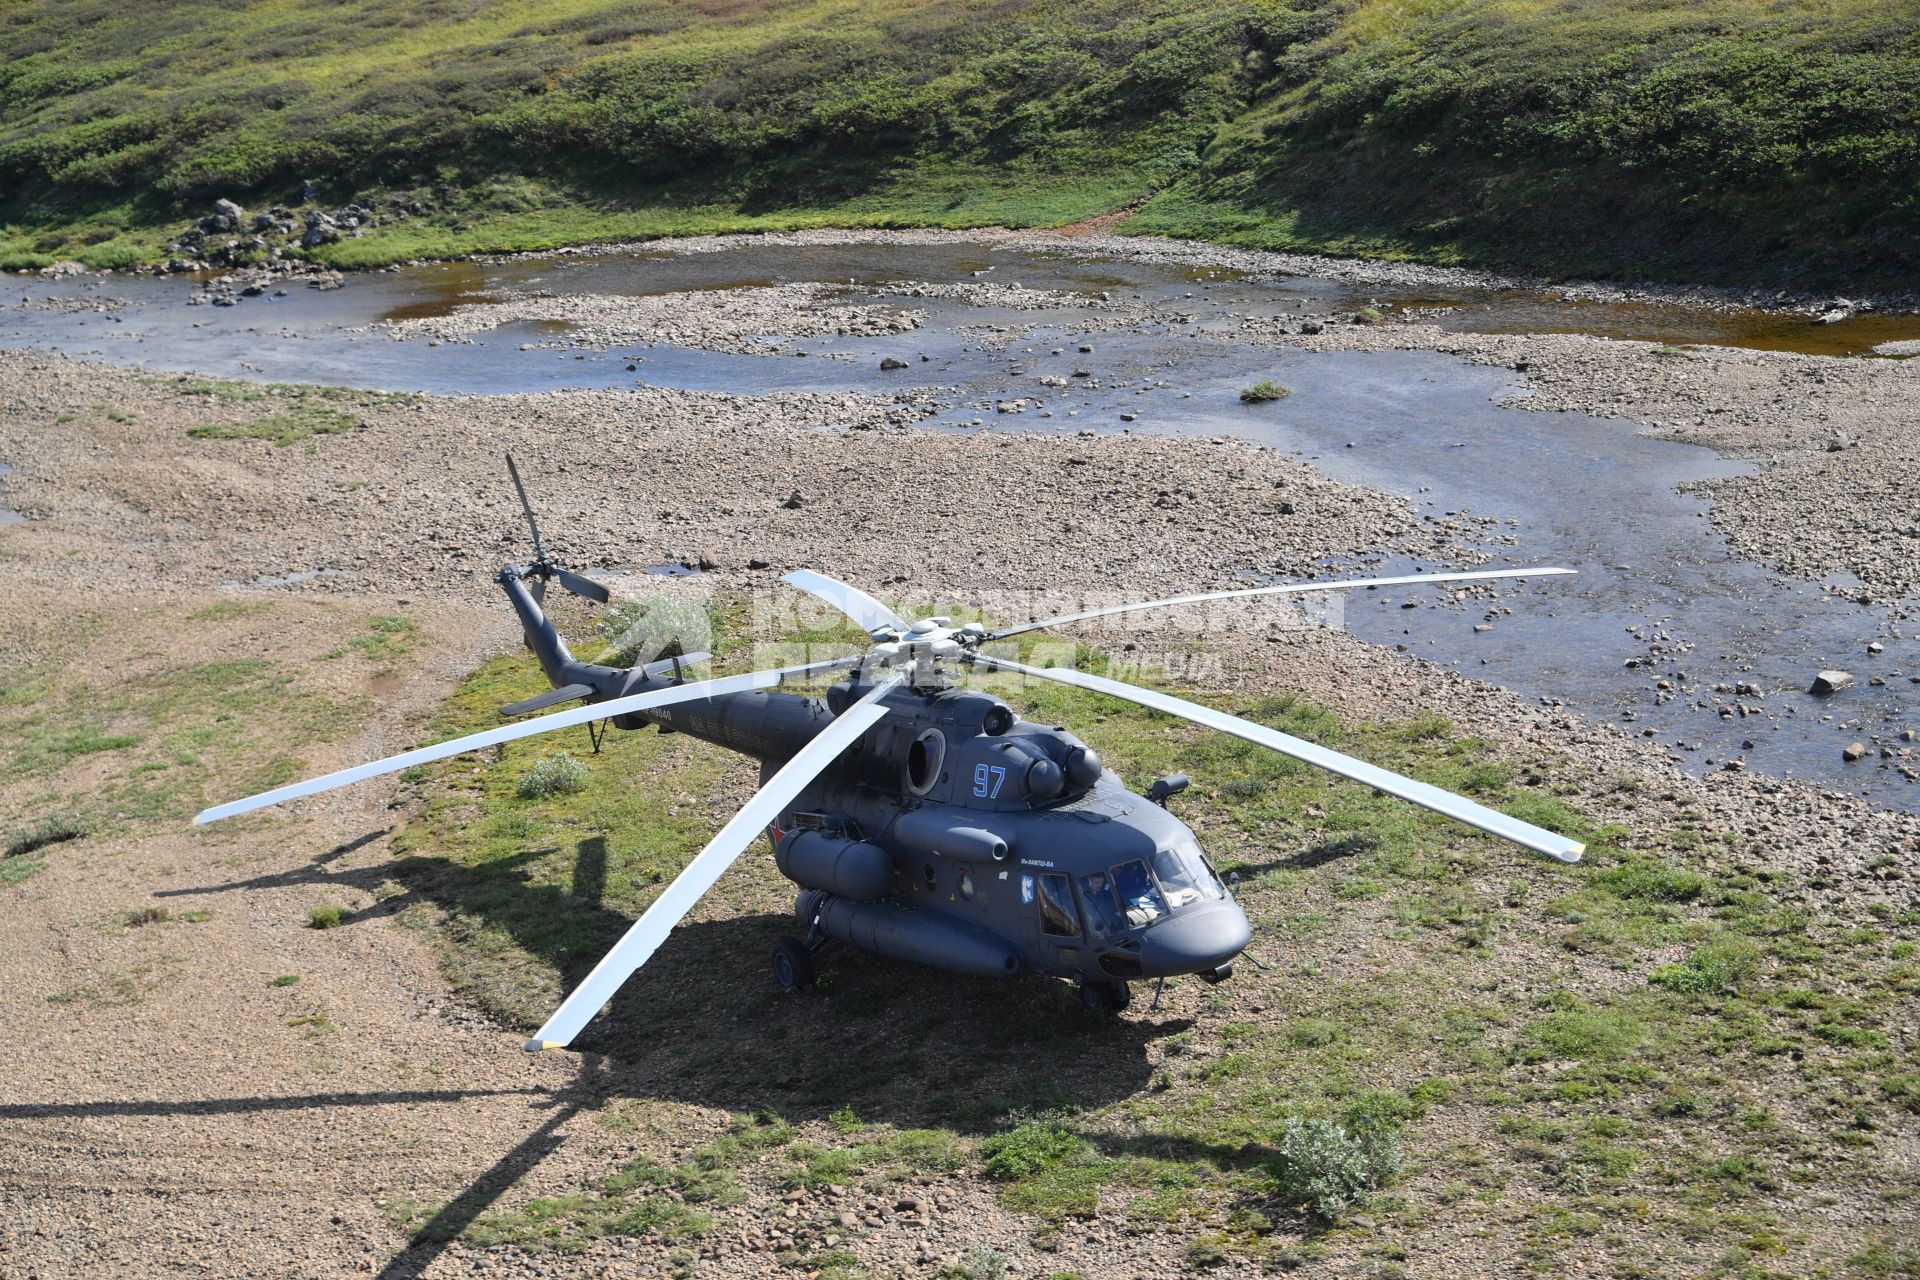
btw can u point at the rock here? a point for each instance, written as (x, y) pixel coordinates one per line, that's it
(1854, 751)
(64, 268)
(1311, 327)
(1876, 647)
(1831, 682)
(321, 229)
(228, 209)
(889, 362)
(757, 563)
(310, 190)
(794, 501)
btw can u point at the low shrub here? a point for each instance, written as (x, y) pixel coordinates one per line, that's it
(554, 775)
(1327, 1168)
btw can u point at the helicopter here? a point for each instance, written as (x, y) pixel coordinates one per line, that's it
(921, 819)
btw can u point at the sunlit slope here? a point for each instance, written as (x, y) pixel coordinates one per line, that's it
(1725, 137)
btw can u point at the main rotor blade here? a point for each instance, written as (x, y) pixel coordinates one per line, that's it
(855, 603)
(1288, 588)
(1426, 795)
(539, 552)
(525, 729)
(651, 929)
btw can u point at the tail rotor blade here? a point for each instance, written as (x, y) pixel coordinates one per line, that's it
(667, 696)
(1424, 794)
(581, 585)
(652, 928)
(533, 526)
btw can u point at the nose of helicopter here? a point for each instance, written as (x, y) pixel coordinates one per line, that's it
(1195, 941)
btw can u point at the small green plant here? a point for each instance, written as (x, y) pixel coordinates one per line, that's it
(1368, 315)
(1264, 390)
(140, 917)
(315, 1021)
(1030, 1149)
(981, 1264)
(284, 980)
(330, 916)
(554, 775)
(1714, 968)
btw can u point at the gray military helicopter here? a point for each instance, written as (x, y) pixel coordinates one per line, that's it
(921, 819)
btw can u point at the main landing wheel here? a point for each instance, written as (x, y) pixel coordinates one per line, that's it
(1105, 997)
(792, 964)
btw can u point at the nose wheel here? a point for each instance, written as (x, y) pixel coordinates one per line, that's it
(1105, 998)
(792, 965)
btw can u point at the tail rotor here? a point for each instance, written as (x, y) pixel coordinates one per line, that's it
(542, 569)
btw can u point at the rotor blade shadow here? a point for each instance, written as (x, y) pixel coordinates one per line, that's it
(430, 1239)
(245, 1106)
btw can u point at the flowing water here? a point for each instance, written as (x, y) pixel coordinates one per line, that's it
(1664, 632)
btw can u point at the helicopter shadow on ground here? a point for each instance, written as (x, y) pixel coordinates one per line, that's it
(703, 1022)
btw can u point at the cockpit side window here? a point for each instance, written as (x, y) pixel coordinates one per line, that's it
(1057, 915)
(1139, 897)
(1103, 913)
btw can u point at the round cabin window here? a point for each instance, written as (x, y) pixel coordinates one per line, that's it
(924, 758)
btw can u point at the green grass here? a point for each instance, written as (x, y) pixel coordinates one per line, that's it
(1263, 391)
(1727, 138)
(150, 746)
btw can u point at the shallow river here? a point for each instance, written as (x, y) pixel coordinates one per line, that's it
(1659, 598)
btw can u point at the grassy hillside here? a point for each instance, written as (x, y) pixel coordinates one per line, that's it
(1758, 139)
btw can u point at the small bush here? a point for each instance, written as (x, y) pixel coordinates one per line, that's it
(1329, 1168)
(554, 775)
(1030, 1149)
(1264, 390)
(49, 830)
(138, 917)
(1368, 315)
(284, 980)
(330, 916)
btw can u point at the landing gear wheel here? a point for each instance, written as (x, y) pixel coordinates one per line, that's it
(792, 964)
(1105, 997)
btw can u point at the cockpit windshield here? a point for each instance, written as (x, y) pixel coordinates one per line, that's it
(1139, 897)
(1184, 875)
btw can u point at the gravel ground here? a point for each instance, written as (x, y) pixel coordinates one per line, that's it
(224, 1153)
(758, 321)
